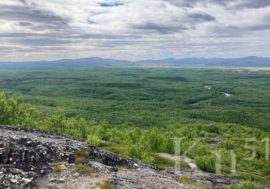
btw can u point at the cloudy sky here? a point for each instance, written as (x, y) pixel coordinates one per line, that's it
(133, 29)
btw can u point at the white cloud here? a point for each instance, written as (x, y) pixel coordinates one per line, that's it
(51, 29)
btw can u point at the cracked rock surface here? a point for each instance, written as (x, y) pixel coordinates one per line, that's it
(27, 157)
(31, 158)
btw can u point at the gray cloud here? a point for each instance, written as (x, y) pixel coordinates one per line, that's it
(40, 41)
(26, 24)
(162, 29)
(254, 3)
(48, 29)
(226, 3)
(176, 25)
(192, 3)
(23, 2)
(31, 14)
(201, 17)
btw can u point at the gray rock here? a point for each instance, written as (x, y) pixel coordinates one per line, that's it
(27, 154)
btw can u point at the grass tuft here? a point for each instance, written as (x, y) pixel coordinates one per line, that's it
(190, 182)
(245, 185)
(106, 185)
(81, 155)
(58, 167)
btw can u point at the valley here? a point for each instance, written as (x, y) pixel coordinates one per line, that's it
(138, 111)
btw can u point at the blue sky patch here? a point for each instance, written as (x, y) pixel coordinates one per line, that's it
(114, 4)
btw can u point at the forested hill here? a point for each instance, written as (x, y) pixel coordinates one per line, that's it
(33, 158)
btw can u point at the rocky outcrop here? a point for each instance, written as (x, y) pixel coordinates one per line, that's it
(28, 158)
(27, 154)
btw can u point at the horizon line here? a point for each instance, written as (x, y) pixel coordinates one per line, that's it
(139, 60)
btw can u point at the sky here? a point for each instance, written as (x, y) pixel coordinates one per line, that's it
(133, 29)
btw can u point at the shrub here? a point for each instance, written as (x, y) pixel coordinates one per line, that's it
(94, 140)
(206, 164)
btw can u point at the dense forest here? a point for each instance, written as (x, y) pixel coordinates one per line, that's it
(139, 111)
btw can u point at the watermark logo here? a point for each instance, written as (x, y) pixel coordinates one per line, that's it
(249, 146)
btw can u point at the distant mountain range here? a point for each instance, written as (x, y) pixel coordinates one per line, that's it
(245, 61)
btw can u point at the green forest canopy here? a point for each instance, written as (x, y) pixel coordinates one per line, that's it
(138, 112)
